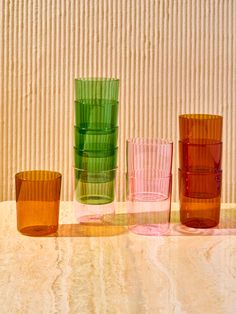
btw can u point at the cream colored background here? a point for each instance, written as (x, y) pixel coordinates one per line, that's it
(171, 57)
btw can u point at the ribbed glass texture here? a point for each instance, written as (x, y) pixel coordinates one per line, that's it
(37, 201)
(149, 185)
(94, 187)
(96, 140)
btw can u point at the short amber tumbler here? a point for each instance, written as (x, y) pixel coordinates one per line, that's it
(200, 157)
(200, 128)
(199, 195)
(37, 202)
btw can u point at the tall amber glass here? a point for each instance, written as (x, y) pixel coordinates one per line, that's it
(37, 201)
(200, 174)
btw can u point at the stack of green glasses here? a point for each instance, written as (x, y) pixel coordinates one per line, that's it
(96, 131)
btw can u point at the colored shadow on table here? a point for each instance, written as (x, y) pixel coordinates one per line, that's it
(90, 230)
(116, 224)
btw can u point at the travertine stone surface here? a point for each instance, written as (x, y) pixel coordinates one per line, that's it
(108, 270)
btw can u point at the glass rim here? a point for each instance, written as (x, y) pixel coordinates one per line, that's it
(114, 150)
(217, 143)
(91, 101)
(19, 175)
(140, 141)
(168, 175)
(100, 171)
(96, 131)
(209, 171)
(200, 116)
(96, 79)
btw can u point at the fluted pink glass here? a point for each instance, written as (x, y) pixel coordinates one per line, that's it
(149, 203)
(147, 185)
(149, 182)
(149, 154)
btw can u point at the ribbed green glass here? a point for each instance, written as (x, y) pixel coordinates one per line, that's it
(96, 88)
(96, 114)
(95, 140)
(95, 187)
(95, 161)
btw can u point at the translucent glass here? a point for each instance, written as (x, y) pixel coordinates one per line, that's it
(154, 154)
(96, 114)
(37, 201)
(149, 163)
(200, 157)
(95, 161)
(149, 203)
(93, 214)
(94, 187)
(90, 140)
(96, 88)
(200, 128)
(199, 194)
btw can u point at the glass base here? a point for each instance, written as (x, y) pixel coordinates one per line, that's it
(38, 230)
(148, 197)
(94, 199)
(150, 229)
(92, 213)
(201, 223)
(200, 213)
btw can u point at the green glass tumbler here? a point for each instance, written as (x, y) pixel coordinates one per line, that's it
(95, 161)
(96, 88)
(96, 114)
(95, 140)
(94, 187)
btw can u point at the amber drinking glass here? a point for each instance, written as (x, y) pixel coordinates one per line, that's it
(200, 157)
(200, 174)
(200, 128)
(37, 201)
(199, 194)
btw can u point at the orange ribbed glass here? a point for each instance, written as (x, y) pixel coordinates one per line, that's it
(199, 195)
(37, 201)
(200, 128)
(200, 157)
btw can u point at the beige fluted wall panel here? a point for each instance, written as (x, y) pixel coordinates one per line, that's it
(172, 57)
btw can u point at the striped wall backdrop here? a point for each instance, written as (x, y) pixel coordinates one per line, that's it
(172, 57)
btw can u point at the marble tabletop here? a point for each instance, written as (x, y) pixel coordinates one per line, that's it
(106, 269)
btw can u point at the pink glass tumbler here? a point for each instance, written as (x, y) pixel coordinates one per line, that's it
(149, 154)
(149, 183)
